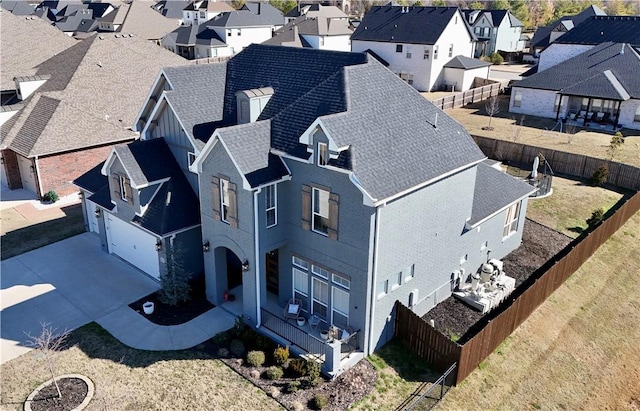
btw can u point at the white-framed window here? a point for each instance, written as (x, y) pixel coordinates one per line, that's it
(191, 157)
(511, 220)
(397, 281)
(584, 104)
(339, 307)
(636, 117)
(224, 200)
(425, 56)
(323, 154)
(464, 258)
(320, 272)
(301, 288)
(320, 298)
(484, 246)
(342, 281)
(271, 205)
(298, 262)
(451, 50)
(203, 14)
(409, 273)
(408, 55)
(124, 187)
(517, 99)
(435, 52)
(320, 211)
(408, 77)
(398, 48)
(556, 103)
(229, 32)
(383, 288)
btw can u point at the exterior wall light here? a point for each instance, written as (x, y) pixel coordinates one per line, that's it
(206, 246)
(245, 265)
(159, 245)
(98, 212)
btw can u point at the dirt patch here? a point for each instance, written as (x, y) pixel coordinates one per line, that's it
(73, 391)
(539, 243)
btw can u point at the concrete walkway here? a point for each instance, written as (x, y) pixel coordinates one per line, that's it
(73, 282)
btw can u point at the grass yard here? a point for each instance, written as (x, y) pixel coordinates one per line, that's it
(129, 379)
(20, 235)
(568, 207)
(578, 350)
(400, 373)
(581, 141)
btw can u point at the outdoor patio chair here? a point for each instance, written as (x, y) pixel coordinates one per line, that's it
(292, 309)
(572, 115)
(599, 115)
(581, 114)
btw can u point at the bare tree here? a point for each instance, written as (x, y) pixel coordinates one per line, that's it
(516, 129)
(49, 342)
(492, 107)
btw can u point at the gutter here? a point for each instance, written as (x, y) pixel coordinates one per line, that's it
(374, 281)
(257, 255)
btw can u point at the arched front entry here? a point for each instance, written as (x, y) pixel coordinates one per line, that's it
(226, 278)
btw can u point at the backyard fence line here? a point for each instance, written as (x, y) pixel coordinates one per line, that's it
(425, 399)
(498, 324)
(470, 96)
(578, 165)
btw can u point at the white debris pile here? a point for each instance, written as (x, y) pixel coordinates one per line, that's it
(487, 288)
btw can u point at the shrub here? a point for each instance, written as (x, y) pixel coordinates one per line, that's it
(50, 196)
(281, 355)
(596, 218)
(297, 406)
(599, 177)
(293, 386)
(254, 374)
(313, 370)
(274, 372)
(255, 358)
(319, 401)
(237, 348)
(274, 392)
(298, 366)
(496, 58)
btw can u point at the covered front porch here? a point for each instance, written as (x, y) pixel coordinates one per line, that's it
(337, 349)
(588, 111)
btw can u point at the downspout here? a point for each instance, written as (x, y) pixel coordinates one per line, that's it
(374, 276)
(257, 255)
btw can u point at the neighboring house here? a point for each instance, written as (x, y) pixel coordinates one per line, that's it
(266, 11)
(74, 18)
(114, 20)
(496, 30)
(324, 33)
(18, 7)
(224, 35)
(599, 87)
(546, 35)
(74, 106)
(313, 10)
(591, 32)
(201, 11)
(323, 177)
(143, 21)
(171, 9)
(416, 42)
(461, 72)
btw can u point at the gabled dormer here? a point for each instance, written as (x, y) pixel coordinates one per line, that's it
(250, 103)
(27, 85)
(321, 145)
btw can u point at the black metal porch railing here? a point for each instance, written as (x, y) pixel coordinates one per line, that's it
(300, 338)
(351, 345)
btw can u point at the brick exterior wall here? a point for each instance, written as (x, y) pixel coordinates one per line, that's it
(12, 170)
(57, 172)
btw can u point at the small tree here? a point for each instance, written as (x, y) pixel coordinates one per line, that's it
(48, 342)
(175, 282)
(496, 58)
(516, 129)
(599, 177)
(614, 145)
(492, 107)
(596, 218)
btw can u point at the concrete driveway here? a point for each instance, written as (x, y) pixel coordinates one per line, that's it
(67, 284)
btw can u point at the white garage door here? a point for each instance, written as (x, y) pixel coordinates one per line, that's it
(133, 245)
(91, 216)
(27, 175)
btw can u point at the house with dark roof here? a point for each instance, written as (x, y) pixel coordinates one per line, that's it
(313, 10)
(72, 107)
(203, 10)
(224, 35)
(325, 181)
(143, 21)
(546, 35)
(591, 32)
(416, 42)
(324, 33)
(496, 30)
(599, 88)
(461, 72)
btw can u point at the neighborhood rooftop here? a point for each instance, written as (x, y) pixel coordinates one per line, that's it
(542, 36)
(600, 29)
(414, 25)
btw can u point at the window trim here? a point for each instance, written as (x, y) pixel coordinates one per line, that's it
(451, 50)
(327, 316)
(273, 208)
(517, 98)
(426, 54)
(314, 213)
(512, 217)
(410, 273)
(385, 288)
(399, 48)
(224, 208)
(435, 52)
(322, 158)
(333, 306)
(191, 157)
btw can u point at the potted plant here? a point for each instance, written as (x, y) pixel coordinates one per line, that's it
(324, 334)
(301, 321)
(148, 307)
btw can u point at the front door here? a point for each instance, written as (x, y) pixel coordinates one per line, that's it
(271, 267)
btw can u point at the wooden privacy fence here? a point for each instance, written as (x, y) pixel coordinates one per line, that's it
(473, 95)
(620, 175)
(438, 350)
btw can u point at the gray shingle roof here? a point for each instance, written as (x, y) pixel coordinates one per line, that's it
(407, 150)
(18, 8)
(41, 112)
(420, 25)
(266, 11)
(240, 18)
(291, 33)
(600, 29)
(196, 34)
(495, 190)
(315, 10)
(171, 9)
(143, 21)
(100, 84)
(18, 34)
(93, 180)
(585, 75)
(462, 62)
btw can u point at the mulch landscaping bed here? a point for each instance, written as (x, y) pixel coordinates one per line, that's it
(342, 392)
(165, 314)
(73, 390)
(539, 244)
